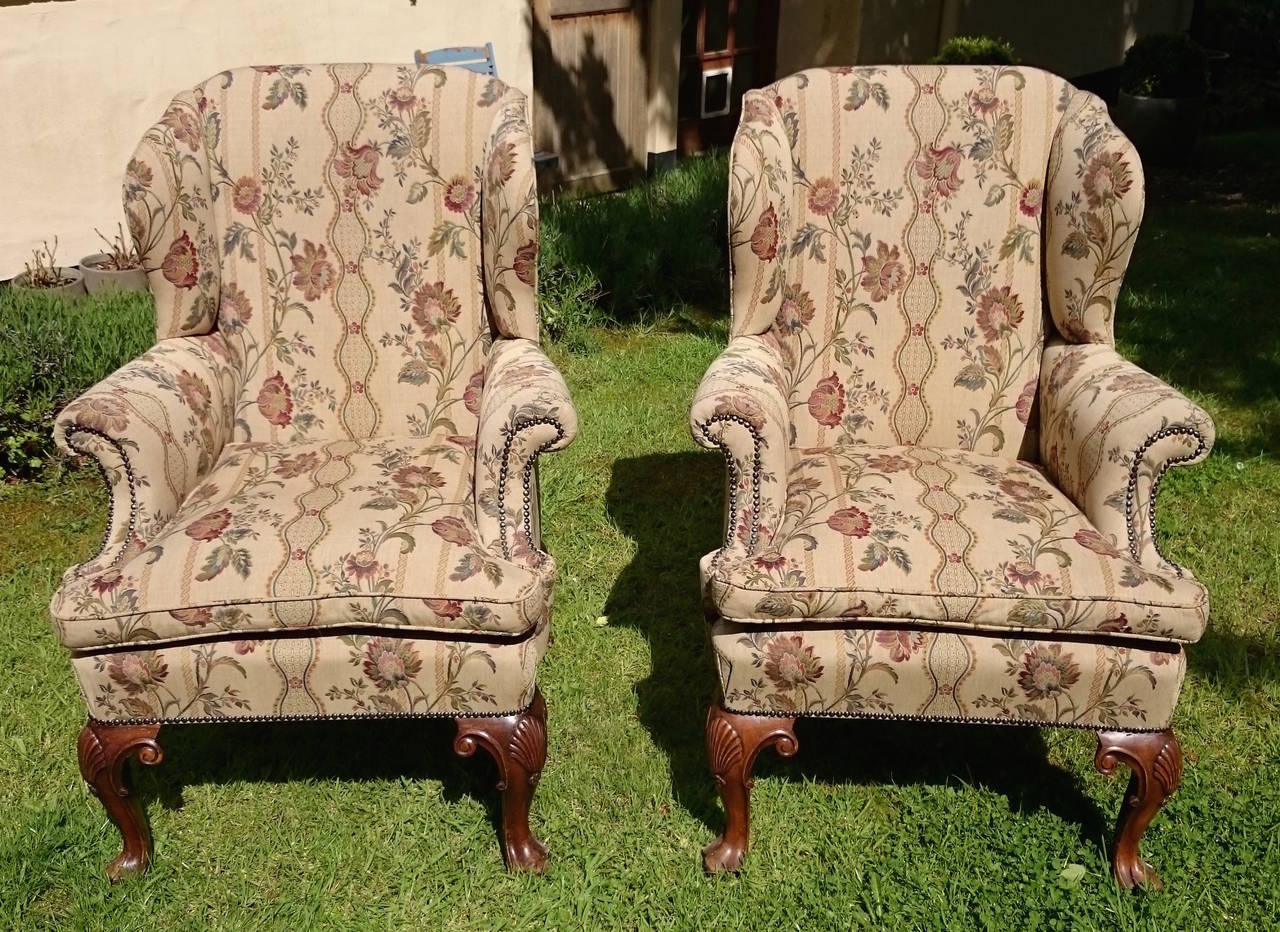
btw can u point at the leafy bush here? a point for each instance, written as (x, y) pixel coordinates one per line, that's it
(637, 254)
(1165, 65)
(975, 50)
(50, 352)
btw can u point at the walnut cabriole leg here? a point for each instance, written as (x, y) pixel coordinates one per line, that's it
(733, 743)
(518, 745)
(1155, 762)
(103, 751)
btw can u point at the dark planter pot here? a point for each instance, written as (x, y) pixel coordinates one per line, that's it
(1164, 129)
(98, 279)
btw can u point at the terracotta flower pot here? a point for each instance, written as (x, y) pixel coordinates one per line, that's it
(98, 279)
(71, 290)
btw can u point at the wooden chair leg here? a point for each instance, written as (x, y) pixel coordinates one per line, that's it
(103, 750)
(518, 744)
(733, 743)
(1155, 762)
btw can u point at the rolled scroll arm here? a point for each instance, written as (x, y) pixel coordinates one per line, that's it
(525, 411)
(1109, 433)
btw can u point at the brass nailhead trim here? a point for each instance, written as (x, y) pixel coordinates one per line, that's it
(732, 464)
(111, 498)
(1131, 490)
(511, 431)
(938, 719)
(261, 719)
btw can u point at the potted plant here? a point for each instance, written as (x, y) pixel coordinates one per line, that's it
(975, 50)
(1162, 89)
(44, 274)
(119, 268)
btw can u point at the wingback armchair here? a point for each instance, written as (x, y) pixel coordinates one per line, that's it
(322, 477)
(942, 476)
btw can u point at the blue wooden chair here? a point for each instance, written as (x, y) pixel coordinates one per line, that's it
(477, 58)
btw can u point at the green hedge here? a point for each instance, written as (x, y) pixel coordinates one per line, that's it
(50, 352)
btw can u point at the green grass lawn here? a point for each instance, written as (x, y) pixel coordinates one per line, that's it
(377, 825)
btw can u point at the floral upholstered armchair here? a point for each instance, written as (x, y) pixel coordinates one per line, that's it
(323, 486)
(941, 474)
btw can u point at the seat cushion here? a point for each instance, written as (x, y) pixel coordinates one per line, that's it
(376, 533)
(946, 537)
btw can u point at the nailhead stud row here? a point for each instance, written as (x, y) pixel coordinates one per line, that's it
(1131, 490)
(511, 432)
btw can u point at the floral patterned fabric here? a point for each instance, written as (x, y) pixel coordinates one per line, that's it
(760, 213)
(311, 677)
(892, 545)
(509, 221)
(890, 218)
(349, 195)
(888, 671)
(377, 534)
(1095, 187)
(946, 538)
(1109, 432)
(344, 264)
(168, 203)
(156, 426)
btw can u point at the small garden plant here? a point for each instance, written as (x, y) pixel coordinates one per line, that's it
(121, 253)
(43, 270)
(975, 50)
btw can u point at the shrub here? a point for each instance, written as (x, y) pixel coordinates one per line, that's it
(1165, 65)
(50, 352)
(975, 50)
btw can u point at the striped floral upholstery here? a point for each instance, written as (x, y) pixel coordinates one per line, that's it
(942, 474)
(321, 474)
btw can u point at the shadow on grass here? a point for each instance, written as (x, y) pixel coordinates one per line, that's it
(670, 505)
(1235, 664)
(349, 751)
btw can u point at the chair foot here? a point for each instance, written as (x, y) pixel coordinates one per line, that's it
(733, 743)
(103, 750)
(1155, 762)
(518, 744)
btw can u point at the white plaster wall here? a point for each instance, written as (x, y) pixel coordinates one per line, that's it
(81, 81)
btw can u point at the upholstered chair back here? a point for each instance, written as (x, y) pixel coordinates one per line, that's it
(895, 233)
(327, 222)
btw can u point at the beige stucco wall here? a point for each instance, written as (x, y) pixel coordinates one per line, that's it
(81, 81)
(848, 32)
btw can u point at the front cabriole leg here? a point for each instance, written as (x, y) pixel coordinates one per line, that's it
(1155, 760)
(103, 750)
(518, 744)
(733, 743)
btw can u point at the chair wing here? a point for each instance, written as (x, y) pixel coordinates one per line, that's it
(170, 210)
(1096, 192)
